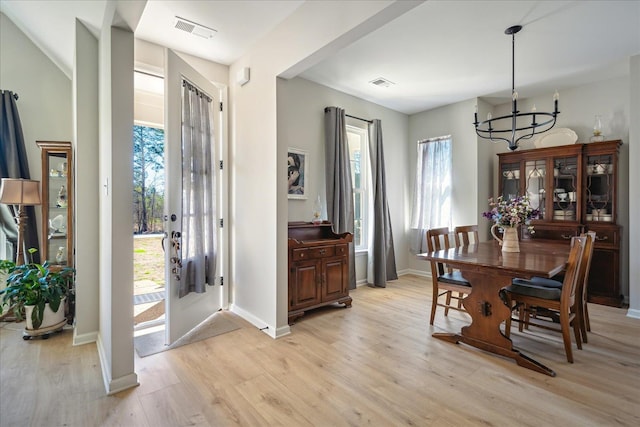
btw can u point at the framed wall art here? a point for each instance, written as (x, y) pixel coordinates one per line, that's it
(297, 173)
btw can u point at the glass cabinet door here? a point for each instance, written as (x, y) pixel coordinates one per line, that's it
(565, 188)
(534, 184)
(510, 176)
(600, 188)
(57, 218)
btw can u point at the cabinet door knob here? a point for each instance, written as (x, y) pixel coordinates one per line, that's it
(323, 251)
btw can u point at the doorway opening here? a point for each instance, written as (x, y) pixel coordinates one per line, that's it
(148, 203)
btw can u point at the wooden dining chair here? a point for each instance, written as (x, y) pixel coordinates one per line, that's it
(529, 298)
(582, 310)
(445, 280)
(462, 234)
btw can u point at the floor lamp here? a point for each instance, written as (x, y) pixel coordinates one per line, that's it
(20, 192)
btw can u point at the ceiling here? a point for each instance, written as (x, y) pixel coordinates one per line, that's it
(438, 53)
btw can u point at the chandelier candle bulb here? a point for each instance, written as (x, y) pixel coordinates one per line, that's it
(533, 109)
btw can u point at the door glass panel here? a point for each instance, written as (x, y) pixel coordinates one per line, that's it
(599, 191)
(57, 250)
(510, 175)
(565, 188)
(535, 184)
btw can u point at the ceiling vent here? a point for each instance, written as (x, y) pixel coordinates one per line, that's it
(194, 28)
(381, 81)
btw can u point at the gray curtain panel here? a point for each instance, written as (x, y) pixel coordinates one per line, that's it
(338, 180)
(199, 226)
(384, 258)
(14, 164)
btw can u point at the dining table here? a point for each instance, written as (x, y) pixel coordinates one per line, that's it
(488, 270)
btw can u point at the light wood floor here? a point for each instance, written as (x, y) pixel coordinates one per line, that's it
(374, 364)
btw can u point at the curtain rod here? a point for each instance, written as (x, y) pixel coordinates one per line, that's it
(358, 118)
(438, 138)
(15, 95)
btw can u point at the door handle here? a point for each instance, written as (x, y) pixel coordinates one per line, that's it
(176, 258)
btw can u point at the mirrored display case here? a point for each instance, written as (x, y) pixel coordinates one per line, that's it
(57, 206)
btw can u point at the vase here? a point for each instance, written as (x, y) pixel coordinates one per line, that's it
(509, 241)
(317, 212)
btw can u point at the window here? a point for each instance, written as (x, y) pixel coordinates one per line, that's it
(432, 189)
(358, 155)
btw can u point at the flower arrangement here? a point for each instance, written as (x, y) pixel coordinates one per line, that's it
(512, 213)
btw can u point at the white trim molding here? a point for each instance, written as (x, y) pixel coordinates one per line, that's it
(633, 313)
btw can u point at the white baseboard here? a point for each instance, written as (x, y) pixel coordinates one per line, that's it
(281, 332)
(113, 386)
(259, 323)
(123, 383)
(420, 273)
(82, 339)
(633, 313)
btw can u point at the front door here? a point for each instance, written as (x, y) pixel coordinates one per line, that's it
(186, 312)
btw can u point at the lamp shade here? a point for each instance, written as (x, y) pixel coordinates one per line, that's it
(20, 192)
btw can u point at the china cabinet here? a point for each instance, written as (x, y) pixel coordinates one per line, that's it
(318, 267)
(57, 203)
(575, 189)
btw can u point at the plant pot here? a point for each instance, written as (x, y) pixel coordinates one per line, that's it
(509, 241)
(49, 318)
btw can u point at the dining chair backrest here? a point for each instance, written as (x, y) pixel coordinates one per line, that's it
(572, 274)
(585, 270)
(462, 233)
(437, 240)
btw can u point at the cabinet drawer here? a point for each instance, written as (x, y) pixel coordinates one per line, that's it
(299, 254)
(546, 232)
(342, 250)
(605, 235)
(312, 253)
(322, 251)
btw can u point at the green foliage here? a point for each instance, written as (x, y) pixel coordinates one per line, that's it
(148, 178)
(35, 284)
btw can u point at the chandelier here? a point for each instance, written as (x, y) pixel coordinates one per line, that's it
(495, 129)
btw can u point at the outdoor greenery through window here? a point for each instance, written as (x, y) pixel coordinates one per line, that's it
(358, 150)
(148, 179)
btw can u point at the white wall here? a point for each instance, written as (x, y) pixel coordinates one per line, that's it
(115, 339)
(578, 107)
(634, 188)
(259, 212)
(454, 120)
(44, 93)
(301, 106)
(85, 143)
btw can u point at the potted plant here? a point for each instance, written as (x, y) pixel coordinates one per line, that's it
(37, 291)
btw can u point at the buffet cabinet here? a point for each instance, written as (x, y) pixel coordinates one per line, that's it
(318, 267)
(575, 188)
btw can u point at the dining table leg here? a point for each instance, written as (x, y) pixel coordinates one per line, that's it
(488, 312)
